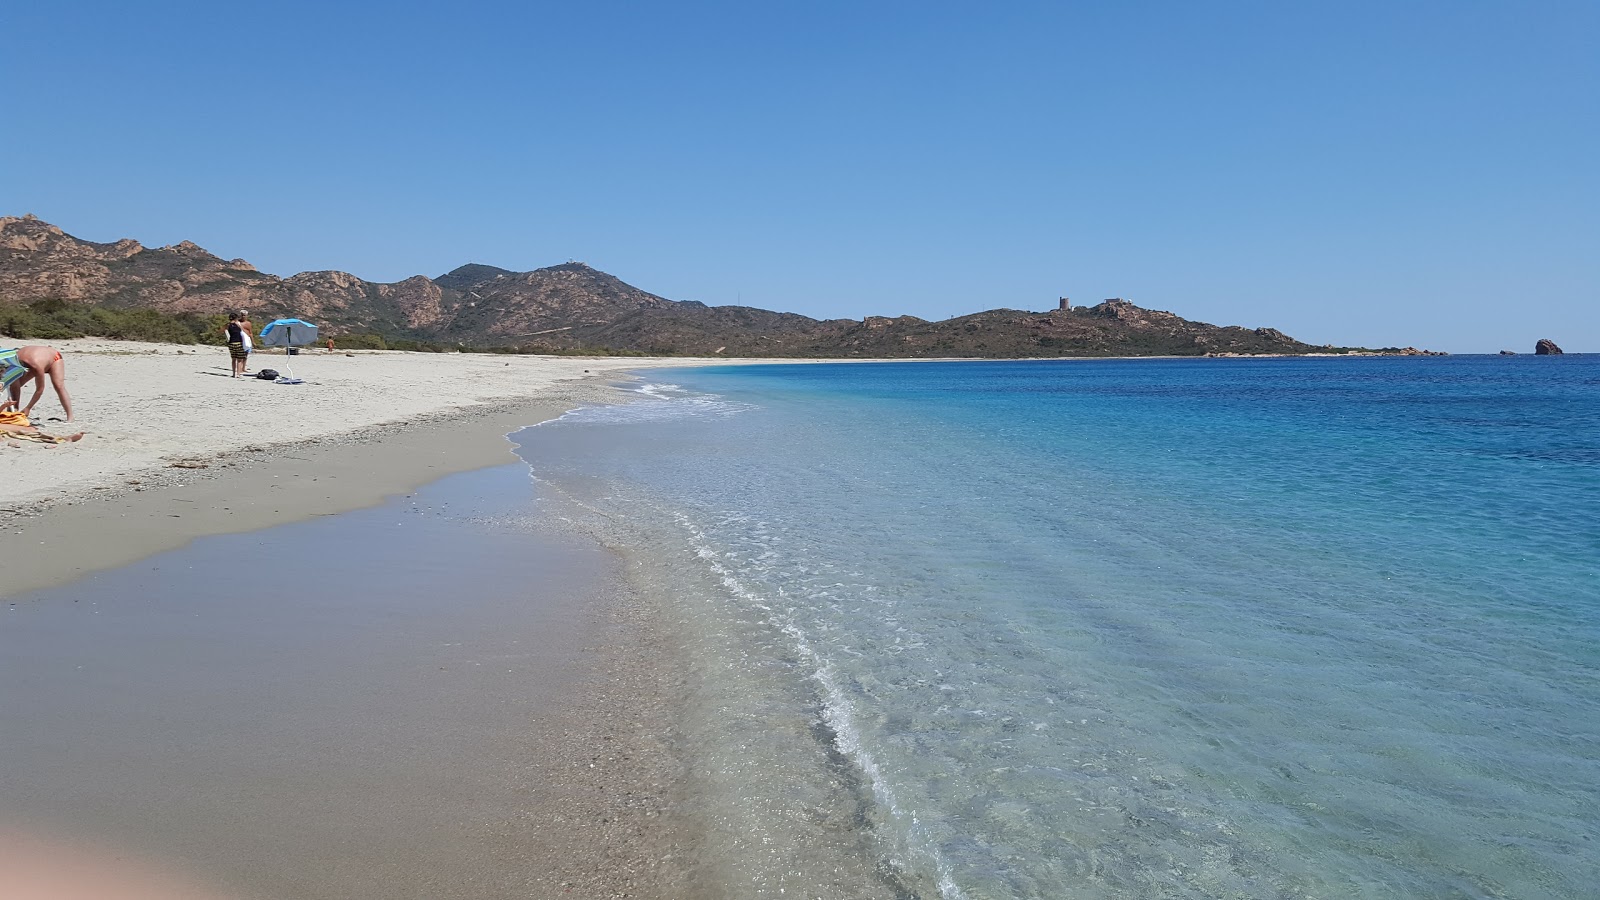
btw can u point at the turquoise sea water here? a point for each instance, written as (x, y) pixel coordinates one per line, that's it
(1154, 628)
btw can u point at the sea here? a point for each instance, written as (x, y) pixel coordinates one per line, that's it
(1287, 627)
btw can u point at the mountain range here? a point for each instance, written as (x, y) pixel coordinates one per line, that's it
(573, 307)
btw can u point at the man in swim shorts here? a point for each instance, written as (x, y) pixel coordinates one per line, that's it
(33, 363)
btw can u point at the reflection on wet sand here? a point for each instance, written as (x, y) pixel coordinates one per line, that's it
(34, 867)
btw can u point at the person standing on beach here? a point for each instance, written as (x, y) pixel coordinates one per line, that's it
(34, 362)
(237, 353)
(246, 329)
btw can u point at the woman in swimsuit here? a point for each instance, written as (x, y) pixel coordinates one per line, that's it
(33, 363)
(236, 349)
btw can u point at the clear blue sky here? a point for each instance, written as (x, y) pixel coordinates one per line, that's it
(1372, 173)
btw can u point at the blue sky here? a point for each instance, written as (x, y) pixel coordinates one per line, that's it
(1352, 173)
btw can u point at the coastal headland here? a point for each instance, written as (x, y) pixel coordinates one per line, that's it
(54, 282)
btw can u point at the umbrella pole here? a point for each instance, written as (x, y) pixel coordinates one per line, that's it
(287, 347)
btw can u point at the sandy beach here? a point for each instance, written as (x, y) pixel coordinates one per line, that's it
(570, 794)
(174, 442)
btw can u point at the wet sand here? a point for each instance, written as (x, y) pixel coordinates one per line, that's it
(436, 697)
(259, 678)
(121, 520)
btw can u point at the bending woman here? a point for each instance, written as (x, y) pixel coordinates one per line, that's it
(33, 363)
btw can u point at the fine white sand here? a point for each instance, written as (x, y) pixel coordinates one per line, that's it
(146, 406)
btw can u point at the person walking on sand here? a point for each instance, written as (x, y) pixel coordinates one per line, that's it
(33, 363)
(237, 353)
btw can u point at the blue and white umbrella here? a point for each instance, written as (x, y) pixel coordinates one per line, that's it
(288, 333)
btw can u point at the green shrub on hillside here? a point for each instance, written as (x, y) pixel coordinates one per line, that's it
(21, 322)
(55, 320)
(360, 342)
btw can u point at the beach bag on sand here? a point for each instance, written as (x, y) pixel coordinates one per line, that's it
(268, 374)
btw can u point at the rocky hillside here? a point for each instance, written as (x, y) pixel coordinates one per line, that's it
(570, 306)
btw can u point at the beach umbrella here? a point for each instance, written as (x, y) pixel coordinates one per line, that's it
(288, 333)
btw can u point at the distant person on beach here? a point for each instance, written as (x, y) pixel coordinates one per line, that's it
(238, 352)
(247, 329)
(19, 366)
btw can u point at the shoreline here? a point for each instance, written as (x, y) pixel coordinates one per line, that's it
(55, 541)
(456, 699)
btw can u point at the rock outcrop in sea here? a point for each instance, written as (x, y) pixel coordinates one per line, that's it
(1546, 347)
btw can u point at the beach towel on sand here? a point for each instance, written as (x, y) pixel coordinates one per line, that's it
(20, 420)
(38, 437)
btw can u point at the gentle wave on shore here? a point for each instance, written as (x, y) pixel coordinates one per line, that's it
(1255, 628)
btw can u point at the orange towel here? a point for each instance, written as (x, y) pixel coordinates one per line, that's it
(13, 417)
(38, 437)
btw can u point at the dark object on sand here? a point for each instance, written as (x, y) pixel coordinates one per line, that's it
(1546, 347)
(268, 374)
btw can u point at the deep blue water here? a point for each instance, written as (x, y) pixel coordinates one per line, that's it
(1187, 628)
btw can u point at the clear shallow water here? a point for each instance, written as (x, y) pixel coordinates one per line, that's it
(1187, 628)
